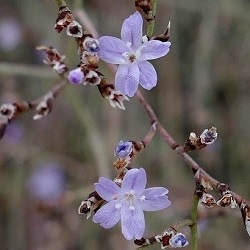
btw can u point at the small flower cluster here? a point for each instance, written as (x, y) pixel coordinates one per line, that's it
(195, 142)
(126, 151)
(54, 59)
(86, 72)
(88, 47)
(169, 238)
(203, 187)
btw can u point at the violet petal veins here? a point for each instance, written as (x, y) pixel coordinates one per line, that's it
(127, 203)
(131, 53)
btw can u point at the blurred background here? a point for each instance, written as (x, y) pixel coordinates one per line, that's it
(47, 167)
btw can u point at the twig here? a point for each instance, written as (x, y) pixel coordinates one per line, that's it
(179, 149)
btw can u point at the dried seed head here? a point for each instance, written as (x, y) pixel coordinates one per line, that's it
(92, 78)
(166, 236)
(45, 106)
(207, 200)
(116, 99)
(64, 18)
(194, 142)
(74, 29)
(8, 110)
(54, 59)
(227, 200)
(92, 204)
(202, 180)
(145, 8)
(105, 87)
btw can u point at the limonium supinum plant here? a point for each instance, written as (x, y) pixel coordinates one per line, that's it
(125, 198)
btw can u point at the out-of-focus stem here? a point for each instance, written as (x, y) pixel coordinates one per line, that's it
(193, 227)
(61, 3)
(26, 70)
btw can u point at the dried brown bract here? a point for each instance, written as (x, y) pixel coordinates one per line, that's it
(227, 199)
(145, 8)
(107, 90)
(54, 59)
(92, 204)
(245, 210)
(64, 18)
(165, 36)
(45, 106)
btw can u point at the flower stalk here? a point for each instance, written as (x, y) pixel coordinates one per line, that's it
(193, 227)
(151, 23)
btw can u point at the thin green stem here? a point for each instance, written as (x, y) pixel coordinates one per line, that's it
(193, 227)
(151, 23)
(61, 3)
(182, 224)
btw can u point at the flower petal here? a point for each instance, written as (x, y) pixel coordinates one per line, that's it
(107, 189)
(132, 30)
(108, 215)
(148, 76)
(127, 79)
(132, 221)
(155, 199)
(135, 179)
(154, 49)
(111, 50)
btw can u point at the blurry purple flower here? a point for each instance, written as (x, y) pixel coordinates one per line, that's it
(131, 52)
(126, 203)
(14, 132)
(179, 240)
(76, 76)
(123, 149)
(47, 183)
(10, 33)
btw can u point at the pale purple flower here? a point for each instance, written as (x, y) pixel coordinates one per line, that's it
(126, 203)
(123, 149)
(131, 52)
(76, 76)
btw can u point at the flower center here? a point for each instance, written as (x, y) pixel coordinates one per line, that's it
(132, 57)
